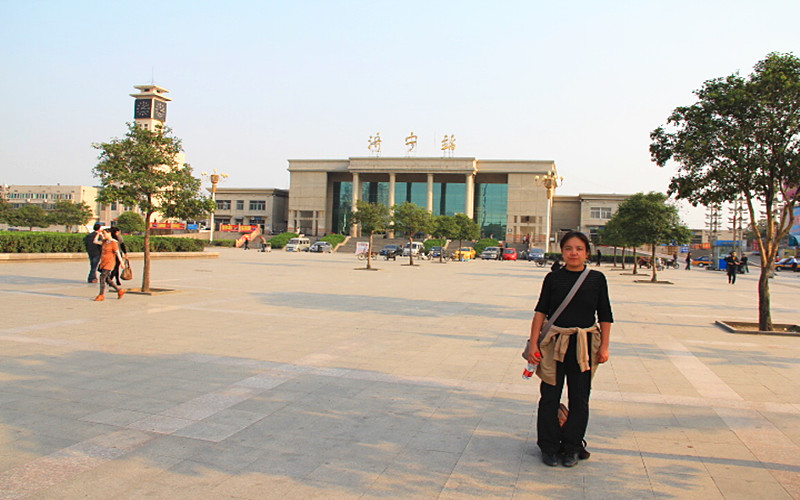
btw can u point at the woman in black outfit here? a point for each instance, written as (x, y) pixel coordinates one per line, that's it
(589, 306)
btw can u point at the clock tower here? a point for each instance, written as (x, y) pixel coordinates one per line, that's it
(150, 107)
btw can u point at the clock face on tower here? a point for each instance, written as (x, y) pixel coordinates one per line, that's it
(142, 108)
(160, 111)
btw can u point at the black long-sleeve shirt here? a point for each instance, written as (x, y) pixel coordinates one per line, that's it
(590, 305)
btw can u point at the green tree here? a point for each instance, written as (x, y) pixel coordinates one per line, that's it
(648, 219)
(5, 210)
(29, 216)
(611, 235)
(741, 138)
(69, 214)
(130, 222)
(372, 217)
(468, 229)
(411, 219)
(142, 170)
(446, 228)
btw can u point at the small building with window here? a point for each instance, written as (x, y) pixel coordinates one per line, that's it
(266, 207)
(586, 212)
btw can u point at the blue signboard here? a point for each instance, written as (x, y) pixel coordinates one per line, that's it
(192, 227)
(794, 232)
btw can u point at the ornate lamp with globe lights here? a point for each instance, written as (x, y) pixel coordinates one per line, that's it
(549, 181)
(215, 177)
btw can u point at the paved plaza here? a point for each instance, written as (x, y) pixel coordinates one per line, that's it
(275, 375)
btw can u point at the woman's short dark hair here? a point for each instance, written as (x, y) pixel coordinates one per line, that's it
(575, 234)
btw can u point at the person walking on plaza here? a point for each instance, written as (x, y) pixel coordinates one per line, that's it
(599, 257)
(109, 257)
(571, 348)
(732, 264)
(117, 236)
(688, 261)
(93, 250)
(744, 268)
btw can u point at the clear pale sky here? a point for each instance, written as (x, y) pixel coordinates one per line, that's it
(256, 83)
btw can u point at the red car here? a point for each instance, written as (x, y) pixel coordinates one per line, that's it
(510, 254)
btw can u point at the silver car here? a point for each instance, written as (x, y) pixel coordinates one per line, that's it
(490, 253)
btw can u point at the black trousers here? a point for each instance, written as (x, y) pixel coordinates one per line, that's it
(551, 436)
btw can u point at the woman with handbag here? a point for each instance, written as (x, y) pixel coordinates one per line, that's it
(109, 257)
(573, 342)
(117, 236)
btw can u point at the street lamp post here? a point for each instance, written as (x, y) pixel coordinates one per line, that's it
(550, 182)
(215, 178)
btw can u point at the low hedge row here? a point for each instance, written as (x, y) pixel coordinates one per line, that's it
(280, 240)
(45, 242)
(334, 239)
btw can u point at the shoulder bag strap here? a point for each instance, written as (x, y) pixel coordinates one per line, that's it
(564, 303)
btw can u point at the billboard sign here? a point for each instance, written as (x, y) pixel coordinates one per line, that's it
(168, 225)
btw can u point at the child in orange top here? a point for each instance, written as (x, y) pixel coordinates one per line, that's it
(109, 257)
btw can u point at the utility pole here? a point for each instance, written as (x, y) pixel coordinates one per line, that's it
(713, 219)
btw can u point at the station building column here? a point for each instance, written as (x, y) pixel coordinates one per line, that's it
(469, 205)
(429, 198)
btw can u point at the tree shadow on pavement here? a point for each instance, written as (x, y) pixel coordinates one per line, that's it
(388, 305)
(204, 423)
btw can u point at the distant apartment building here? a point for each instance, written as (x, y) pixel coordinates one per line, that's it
(46, 196)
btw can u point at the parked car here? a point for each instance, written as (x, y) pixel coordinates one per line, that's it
(298, 244)
(321, 247)
(510, 254)
(414, 249)
(490, 253)
(703, 261)
(465, 253)
(788, 264)
(435, 251)
(391, 251)
(536, 254)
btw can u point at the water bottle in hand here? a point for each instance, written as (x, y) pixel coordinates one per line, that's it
(528, 372)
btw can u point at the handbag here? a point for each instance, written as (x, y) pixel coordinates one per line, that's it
(127, 272)
(552, 319)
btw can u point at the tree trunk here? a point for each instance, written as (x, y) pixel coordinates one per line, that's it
(623, 258)
(764, 311)
(764, 300)
(615, 257)
(411, 251)
(653, 265)
(635, 264)
(146, 267)
(369, 251)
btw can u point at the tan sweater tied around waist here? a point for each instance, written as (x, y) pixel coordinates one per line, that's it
(554, 346)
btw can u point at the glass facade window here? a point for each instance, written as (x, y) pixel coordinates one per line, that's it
(258, 205)
(223, 204)
(449, 198)
(239, 204)
(491, 207)
(375, 192)
(342, 200)
(414, 192)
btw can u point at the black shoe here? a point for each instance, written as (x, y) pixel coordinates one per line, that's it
(550, 459)
(583, 453)
(571, 459)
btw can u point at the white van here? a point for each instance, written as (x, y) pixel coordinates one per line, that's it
(414, 249)
(298, 245)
